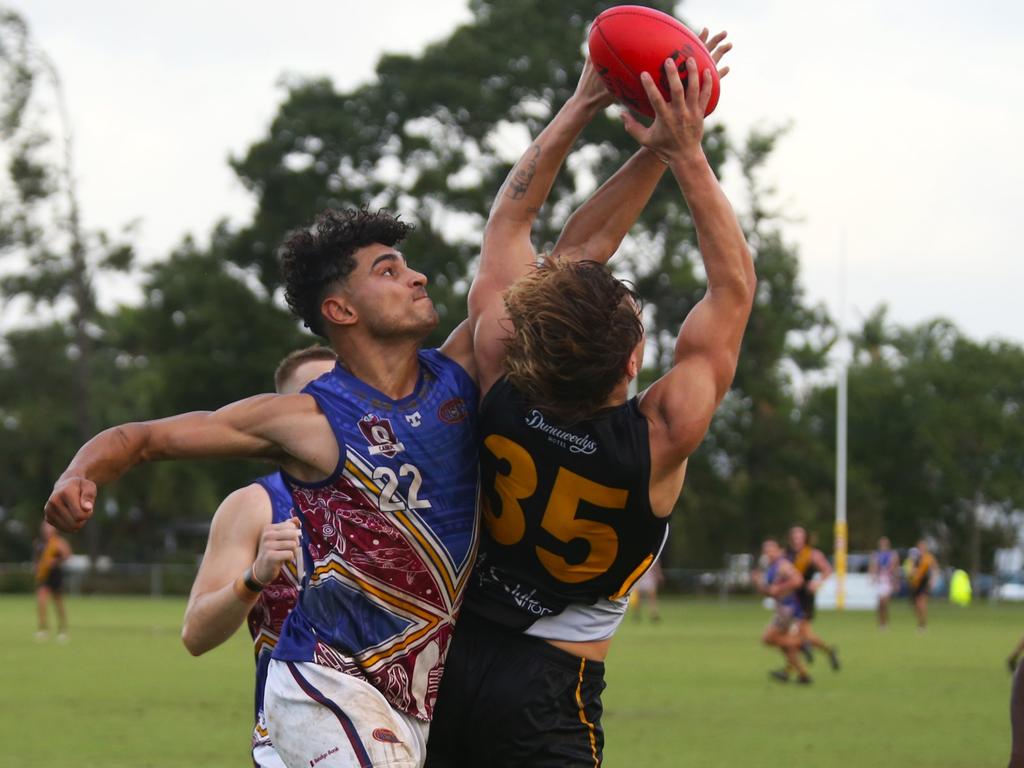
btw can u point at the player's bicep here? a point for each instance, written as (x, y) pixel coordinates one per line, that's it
(507, 253)
(679, 407)
(713, 332)
(509, 258)
(242, 429)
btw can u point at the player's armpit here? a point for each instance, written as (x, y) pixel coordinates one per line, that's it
(459, 347)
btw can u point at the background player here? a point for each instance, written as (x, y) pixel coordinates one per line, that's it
(646, 592)
(922, 579)
(578, 480)
(780, 581)
(815, 568)
(51, 551)
(885, 574)
(253, 541)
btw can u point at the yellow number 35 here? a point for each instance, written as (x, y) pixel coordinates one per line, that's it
(559, 518)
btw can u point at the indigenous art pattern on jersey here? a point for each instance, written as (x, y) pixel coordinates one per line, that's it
(268, 613)
(391, 536)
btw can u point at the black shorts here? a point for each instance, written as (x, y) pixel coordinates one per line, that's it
(508, 699)
(54, 580)
(806, 600)
(920, 589)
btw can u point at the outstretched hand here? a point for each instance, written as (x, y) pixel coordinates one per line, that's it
(717, 48)
(679, 124)
(591, 90)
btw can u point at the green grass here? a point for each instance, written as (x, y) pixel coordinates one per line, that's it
(691, 691)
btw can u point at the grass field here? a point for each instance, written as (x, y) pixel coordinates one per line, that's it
(691, 691)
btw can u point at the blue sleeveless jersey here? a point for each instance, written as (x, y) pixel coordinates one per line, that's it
(275, 602)
(790, 601)
(391, 536)
(884, 559)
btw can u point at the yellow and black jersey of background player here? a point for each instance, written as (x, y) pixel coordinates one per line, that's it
(568, 525)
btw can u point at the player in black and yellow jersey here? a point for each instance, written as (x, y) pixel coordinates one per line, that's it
(922, 577)
(815, 569)
(50, 552)
(578, 479)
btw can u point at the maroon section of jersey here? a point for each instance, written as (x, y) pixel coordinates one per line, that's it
(272, 607)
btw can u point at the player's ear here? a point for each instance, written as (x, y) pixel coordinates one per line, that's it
(338, 310)
(632, 367)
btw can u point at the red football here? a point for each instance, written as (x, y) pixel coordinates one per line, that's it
(630, 39)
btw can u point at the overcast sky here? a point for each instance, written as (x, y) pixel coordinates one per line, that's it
(907, 120)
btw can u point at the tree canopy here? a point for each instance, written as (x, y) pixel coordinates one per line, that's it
(935, 427)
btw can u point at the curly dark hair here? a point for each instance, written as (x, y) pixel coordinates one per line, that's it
(574, 326)
(315, 257)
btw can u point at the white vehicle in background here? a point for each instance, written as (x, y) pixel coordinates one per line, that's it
(1012, 590)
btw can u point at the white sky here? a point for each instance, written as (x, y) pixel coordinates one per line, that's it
(907, 122)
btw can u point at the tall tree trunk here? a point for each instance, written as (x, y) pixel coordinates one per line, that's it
(83, 293)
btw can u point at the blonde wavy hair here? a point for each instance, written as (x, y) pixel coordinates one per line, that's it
(573, 328)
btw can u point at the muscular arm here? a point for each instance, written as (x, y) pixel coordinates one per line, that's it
(242, 537)
(507, 251)
(286, 428)
(596, 229)
(680, 405)
(214, 609)
(823, 565)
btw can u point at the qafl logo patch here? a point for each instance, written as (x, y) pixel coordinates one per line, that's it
(453, 411)
(380, 435)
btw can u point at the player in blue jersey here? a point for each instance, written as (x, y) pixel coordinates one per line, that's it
(579, 479)
(885, 575)
(382, 457)
(249, 571)
(780, 581)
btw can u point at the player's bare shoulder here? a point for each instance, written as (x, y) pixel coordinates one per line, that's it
(246, 508)
(301, 428)
(674, 432)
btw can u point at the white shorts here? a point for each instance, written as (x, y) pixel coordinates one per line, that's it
(265, 756)
(883, 589)
(321, 718)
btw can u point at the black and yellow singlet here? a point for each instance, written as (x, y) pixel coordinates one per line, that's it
(568, 526)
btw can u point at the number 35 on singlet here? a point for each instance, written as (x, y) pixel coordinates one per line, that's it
(559, 518)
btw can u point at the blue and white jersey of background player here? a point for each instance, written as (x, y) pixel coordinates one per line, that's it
(390, 537)
(269, 612)
(790, 602)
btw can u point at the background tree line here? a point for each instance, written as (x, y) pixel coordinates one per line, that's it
(936, 433)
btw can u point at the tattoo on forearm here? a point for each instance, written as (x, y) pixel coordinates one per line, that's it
(519, 181)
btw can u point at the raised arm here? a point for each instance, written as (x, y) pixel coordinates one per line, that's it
(596, 229)
(679, 406)
(286, 428)
(507, 250)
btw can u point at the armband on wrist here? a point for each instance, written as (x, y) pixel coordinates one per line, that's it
(247, 587)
